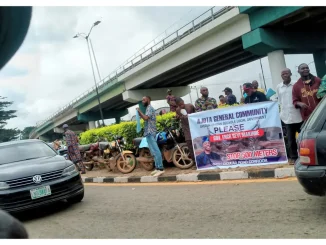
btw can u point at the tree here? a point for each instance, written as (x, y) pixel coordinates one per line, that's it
(26, 132)
(5, 115)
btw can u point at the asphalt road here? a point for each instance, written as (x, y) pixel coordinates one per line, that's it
(235, 210)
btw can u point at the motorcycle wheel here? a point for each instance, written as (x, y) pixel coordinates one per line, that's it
(146, 165)
(89, 167)
(129, 165)
(182, 161)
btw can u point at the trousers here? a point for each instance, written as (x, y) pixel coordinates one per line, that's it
(155, 151)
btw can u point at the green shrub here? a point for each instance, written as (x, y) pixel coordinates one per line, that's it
(125, 129)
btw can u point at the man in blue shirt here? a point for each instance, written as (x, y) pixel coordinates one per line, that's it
(150, 134)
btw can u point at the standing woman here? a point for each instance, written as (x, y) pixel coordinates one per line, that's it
(73, 149)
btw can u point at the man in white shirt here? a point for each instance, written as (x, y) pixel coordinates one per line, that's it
(290, 116)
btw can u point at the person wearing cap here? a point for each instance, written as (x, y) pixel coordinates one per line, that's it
(73, 149)
(170, 99)
(256, 86)
(253, 96)
(205, 158)
(230, 98)
(205, 103)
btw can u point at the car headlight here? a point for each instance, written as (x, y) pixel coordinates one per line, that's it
(70, 170)
(4, 186)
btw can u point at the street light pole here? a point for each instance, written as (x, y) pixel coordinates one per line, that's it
(89, 42)
(96, 88)
(98, 71)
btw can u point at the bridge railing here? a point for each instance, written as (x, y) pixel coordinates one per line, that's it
(148, 53)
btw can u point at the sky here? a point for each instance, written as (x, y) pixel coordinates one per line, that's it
(52, 68)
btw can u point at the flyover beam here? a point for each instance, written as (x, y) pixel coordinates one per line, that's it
(263, 41)
(134, 96)
(95, 116)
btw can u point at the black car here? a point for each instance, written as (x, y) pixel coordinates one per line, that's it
(310, 168)
(32, 174)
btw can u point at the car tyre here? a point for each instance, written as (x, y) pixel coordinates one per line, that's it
(76, 199)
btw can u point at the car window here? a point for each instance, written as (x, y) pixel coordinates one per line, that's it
(23, 151)
(316, 116)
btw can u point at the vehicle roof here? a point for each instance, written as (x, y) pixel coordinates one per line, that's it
(19, 142)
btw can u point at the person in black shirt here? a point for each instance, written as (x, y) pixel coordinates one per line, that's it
(253, 96)
(229, 96)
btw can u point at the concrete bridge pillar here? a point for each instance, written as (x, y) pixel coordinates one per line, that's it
(117, 120)
(276, 61)
(91, 124)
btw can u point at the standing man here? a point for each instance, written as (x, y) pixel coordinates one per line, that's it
(185, 123)
(205, 103)
(255, 85)
(73, 149)
(150, 134)
(290, 115)
(230, 99)
(170, 99)
(253, 96)
(305, 90)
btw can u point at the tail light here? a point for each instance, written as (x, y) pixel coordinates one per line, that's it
(307, 152)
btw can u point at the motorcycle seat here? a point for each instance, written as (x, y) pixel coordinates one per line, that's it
(84, 147)
(104, 145)
(137, 141)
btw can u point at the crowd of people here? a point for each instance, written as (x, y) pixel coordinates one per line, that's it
(297, 101)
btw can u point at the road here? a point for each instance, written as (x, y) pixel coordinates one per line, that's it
(238, 209)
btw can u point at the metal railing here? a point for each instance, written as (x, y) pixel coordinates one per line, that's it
(148, 53)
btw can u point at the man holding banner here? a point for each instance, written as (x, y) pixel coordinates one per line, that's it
(253, 96)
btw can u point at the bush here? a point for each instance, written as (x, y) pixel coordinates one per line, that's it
(125, 129)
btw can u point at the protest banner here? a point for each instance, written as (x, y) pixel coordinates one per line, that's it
(239, 136)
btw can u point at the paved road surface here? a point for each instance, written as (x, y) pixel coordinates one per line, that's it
(236, 210)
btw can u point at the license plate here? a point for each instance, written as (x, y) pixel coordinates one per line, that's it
(40, 192)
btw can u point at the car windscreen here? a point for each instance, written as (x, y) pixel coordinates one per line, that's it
(25, 151)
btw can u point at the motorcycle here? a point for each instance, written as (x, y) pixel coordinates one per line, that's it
(110, 154)
(170, 142)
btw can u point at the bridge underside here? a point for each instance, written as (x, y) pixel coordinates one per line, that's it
(223, 58)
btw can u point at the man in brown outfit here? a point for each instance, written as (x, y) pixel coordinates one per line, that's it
(185, 123)
(304, 92)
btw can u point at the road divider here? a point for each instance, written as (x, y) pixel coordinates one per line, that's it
(278, 173)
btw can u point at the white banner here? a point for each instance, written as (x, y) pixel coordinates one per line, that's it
(238, 136)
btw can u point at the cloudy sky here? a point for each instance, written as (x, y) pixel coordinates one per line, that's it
(52, 68)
